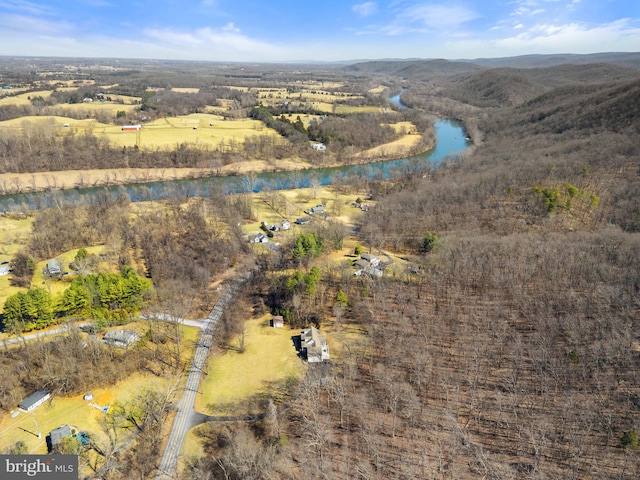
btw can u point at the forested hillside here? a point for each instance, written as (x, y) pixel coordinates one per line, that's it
(511, 350)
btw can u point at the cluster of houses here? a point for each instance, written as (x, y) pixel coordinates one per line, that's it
(264, 238)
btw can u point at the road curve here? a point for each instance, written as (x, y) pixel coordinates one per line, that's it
(182, 423)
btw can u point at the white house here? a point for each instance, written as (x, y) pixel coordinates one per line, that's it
(314, 346)
(319, 147)
(34, 400)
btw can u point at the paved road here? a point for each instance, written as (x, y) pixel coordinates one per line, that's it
(183, 419)
(45, 333)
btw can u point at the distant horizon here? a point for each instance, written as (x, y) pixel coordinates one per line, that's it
(320, 63)
(331, 32)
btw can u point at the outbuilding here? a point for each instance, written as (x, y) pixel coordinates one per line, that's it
(34, 400)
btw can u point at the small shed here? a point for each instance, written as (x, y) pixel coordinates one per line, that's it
(34, 400)
(277, 321)
(4, 270)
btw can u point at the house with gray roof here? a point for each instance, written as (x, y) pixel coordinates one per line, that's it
(313, 346)
(57, 435)
(121, 338)
(34, 400)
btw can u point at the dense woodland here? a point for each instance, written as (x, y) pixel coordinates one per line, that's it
(511, 348)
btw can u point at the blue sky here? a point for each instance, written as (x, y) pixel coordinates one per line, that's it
(323, 30)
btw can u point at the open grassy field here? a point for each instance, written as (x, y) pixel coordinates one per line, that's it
(345, 109)
(234, 377)
(207, 130)
(185, 90)
(377, 90)
(23, 98)
(399, 147)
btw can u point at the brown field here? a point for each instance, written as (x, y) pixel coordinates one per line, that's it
(23, 98)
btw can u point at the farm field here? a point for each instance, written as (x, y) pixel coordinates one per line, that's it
(399, 147)
(205, 130)
(23, 98)
(118, 102)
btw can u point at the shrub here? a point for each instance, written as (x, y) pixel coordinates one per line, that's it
(630, 439)
(429, 242)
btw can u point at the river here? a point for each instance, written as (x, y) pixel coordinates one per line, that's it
(450, 142)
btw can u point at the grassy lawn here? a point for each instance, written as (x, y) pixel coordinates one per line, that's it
(234, 377)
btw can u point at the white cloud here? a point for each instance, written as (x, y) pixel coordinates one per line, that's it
(24, 6)
(225, 43)
(33, 26)
(365, 9)
(441, 16)
(572, 38)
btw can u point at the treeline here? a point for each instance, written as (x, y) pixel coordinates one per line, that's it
(106, 298)
(358, 131)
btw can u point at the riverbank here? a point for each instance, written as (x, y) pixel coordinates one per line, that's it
(19, 183)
